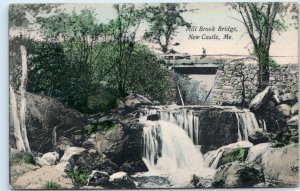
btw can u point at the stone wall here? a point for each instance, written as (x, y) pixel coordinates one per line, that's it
(239, 78)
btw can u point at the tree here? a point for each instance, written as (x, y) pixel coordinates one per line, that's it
(261, 20)
(68, 63)
(164, 21)
(123, 35)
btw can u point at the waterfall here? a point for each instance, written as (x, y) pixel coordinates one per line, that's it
(246, 124)
(167, 148)
(185, 119)
(189, 122)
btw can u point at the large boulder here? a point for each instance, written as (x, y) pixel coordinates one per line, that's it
(92, 160)
(98, 178)
(47, 120)
(51, 157)
(280, 165)
(259, 137)
(39, 178)
(226, 154)
(237, 175)
(260, 99)
(121, 180)
(134, 101)
(122, 145)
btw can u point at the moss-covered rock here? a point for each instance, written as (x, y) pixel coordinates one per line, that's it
(238, 175)
(238, 154)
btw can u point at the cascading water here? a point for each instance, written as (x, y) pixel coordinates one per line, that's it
(168, 151)
(187, 120)
(167, 148)
(246, 124)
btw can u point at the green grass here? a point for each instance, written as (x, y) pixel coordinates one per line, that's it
(95, 127)
(52, 186)
(21, 157)
(79, 176)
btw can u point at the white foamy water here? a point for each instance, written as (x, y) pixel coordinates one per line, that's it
(168, 151)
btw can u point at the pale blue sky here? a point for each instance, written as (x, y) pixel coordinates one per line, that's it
(209, 15)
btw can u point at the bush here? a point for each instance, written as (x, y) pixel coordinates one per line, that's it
(52, 186)
(101, 126)
(79, 176)
(21, 157)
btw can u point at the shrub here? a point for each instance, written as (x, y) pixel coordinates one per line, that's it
(79, 176)
(21, 157)
(101, 126)
(52, 186)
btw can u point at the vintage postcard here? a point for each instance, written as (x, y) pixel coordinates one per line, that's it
(166, 95)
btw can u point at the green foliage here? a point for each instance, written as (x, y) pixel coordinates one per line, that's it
(193, 93)
(79, 176)
(164, 20)
(238, 154)
(52, 186)
(88, 65)
(18, 13)
(285, 137)
(101, 126)
(21, 157)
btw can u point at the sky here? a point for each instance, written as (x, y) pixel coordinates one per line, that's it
(208, 15)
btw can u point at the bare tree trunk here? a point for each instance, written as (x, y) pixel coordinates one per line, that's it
(23, 99)
(15, 118)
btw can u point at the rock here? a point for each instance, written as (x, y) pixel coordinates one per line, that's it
(18, 170)
(63, 166)
(288, 98)
(259, 100)
(62, 144)
(133, 167)
(51, 157)
(227, 153)
(293, 121)
(280, 164)
(47, 120)
(121, 180)
(134, 101)
(41, 161)
(88, 144)
(70, 152)
(98, 178)
(153, 117)
(284, 109)
(92, 160)
(295, 109)
(259, 137)
(237, 175)
(123, 146)
(196, 182)
(40, 177)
